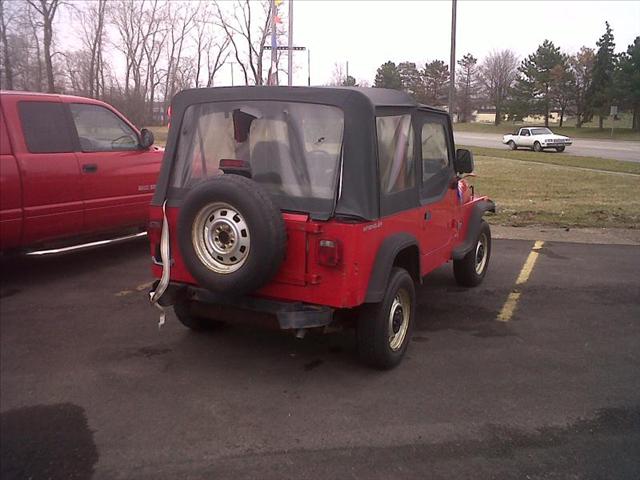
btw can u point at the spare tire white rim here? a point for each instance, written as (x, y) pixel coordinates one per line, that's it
(221, 237)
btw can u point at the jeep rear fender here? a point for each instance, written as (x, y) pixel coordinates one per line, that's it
(474, 222)
(402, 247)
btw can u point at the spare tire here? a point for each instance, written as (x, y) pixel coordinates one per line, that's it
(231, 235)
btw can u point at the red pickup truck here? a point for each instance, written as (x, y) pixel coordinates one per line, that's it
(71, 168)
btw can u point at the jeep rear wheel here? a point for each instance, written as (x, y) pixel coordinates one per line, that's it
(384, 329)
(470, 270)
(231, 235)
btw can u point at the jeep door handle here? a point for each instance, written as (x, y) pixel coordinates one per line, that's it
(89, 168)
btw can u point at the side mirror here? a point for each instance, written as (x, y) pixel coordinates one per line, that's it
(464, 161)
(146, 138)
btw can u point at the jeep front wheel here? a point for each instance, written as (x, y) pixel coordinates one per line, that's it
(512, 145)
(471, 269)
(384, 329)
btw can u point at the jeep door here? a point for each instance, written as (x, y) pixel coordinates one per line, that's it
(437, 197)
(118, 176)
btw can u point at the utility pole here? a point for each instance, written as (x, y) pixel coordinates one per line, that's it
(273, 77)
(290, 59)
(309, 67)
(231, 64)
(452, 60)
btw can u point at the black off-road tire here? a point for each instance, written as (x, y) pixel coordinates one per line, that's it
(265, 226)
(464, 270)
(512, 145)
(192, 321)
(537, 147)
(374, 327)
(559, 149)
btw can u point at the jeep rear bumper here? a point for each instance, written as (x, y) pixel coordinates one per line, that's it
(289, 315)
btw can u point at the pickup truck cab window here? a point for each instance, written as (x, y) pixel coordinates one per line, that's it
(45, 126)
(100, 130)
(525, 132)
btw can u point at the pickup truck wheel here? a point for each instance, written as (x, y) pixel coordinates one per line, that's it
(537, 147)
(384, 329)
(194, 322)
(559, 149)
(231, 235)
(470, 271)
(512, 145)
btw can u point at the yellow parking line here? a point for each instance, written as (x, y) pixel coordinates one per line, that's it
(510, 305)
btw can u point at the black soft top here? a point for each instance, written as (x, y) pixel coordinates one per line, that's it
(359, 196)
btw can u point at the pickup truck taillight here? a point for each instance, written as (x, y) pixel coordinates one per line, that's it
(329, 252)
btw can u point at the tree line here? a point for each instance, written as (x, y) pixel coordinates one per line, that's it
(584, 85)
(134, 54)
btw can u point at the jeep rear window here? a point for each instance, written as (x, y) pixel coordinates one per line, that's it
(294, 149)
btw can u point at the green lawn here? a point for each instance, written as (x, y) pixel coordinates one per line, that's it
(621, 130)
(159, 134)
(542, 194)
(558, 159)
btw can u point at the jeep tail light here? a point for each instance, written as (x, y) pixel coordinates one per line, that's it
(329, 252)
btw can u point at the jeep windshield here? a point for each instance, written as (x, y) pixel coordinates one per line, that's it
(293, 149)
(541, 131)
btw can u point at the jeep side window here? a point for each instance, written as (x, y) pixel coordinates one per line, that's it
(395, 153)
(435, 151)
(100, 130)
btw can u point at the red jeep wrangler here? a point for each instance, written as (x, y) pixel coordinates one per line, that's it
(301, 202)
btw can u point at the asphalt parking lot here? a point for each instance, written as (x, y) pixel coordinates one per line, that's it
(90, 388)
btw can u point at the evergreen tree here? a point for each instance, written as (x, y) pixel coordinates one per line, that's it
(600, 95)
(534, 86)
(627, 81)
(467, 87)
(435, 78)
(410, 78)
(388, 76)
(349, 81)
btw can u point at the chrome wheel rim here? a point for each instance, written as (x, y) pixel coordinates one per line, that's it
(399, 317)
(481, 253)
(221, 238)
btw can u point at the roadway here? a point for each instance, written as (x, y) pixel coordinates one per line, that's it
(628, 151)
(91, 388)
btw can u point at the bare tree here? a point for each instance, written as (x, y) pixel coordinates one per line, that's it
(6, 55)
(208, 44)
(182, 22)
(498, 72)
(47, 10)
(247, 35)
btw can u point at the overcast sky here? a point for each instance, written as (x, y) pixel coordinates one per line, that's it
(368, 33)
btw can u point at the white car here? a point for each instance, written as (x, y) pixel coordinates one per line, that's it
(537, 138)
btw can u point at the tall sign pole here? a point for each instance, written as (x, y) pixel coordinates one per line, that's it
(290, 58)
(273, 77)
(452, 60)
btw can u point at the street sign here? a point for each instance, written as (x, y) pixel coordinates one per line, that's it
(614, 111)
(283, 47)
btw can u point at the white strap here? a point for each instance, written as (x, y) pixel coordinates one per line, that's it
(155, 295)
